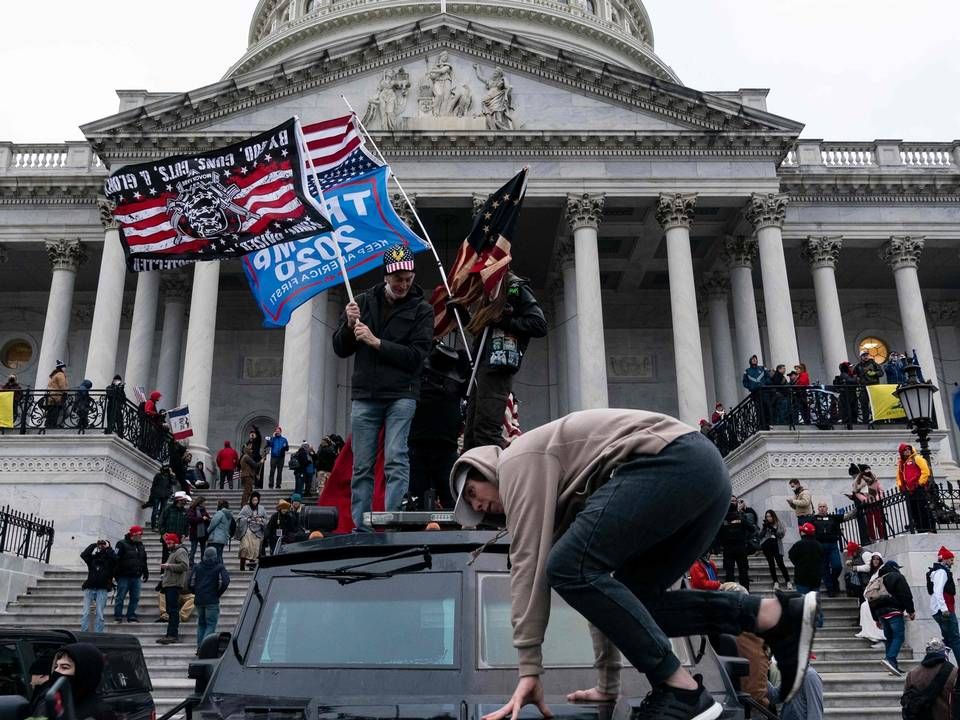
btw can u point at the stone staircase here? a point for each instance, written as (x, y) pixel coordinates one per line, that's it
(856, 686)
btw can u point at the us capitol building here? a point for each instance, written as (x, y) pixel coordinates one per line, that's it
(669, 233)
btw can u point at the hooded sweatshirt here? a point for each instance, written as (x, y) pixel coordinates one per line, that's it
(227, 458)
(544, 479)
(208, 579)
(85, 680)
(150, 406)
(913, 472)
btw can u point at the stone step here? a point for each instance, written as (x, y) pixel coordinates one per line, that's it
(848, 645)
(867, 666)
(147, 599)
(854, 697)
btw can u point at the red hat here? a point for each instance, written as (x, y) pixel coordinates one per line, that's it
(171, 538)
(944, 554)
(808, 529)
(852, 547)
(135, 530)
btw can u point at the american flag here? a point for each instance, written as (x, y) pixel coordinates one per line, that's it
(511, 420)
(214, 204)
(336, 150)
(484, 257)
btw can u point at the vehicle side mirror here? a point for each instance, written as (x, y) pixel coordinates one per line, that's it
(214, 646)
(322, 518)
(14, 707)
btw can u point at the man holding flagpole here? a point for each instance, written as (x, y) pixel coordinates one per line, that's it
(389, 330)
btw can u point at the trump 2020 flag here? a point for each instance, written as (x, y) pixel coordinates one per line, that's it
(218, 204)
(285, 276)
(179, 421)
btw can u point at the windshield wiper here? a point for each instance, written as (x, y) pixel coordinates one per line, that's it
(347, 574)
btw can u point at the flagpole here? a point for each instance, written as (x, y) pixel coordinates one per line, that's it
(316, 180)
(423, 229)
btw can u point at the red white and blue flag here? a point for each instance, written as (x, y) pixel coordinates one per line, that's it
(335, 152)
(218, 204)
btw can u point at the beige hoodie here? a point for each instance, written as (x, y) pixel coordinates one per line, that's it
(544, 478)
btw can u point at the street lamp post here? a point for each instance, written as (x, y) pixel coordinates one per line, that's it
(916, 398)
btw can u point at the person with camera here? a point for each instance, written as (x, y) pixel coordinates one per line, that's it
(771, 544)
(866, 493)
(100, 559)
(323, 459)
(801, 503)
(303, 468)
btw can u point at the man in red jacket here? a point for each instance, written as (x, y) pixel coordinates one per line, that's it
(227, 461)
(703, 575)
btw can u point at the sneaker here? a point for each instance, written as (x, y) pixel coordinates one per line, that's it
(892, 667)
(165, 640)
(776, 586)
(878, 645)
(118, 619)
(792, 640)
(161, 619)
(133, 620)
(667, 703)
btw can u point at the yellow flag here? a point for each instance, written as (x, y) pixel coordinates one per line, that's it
(6, 409)
(884, 403)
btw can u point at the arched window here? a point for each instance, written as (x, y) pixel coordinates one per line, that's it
(877, 348)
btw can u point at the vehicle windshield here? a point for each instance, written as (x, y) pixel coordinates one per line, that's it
(308, 621)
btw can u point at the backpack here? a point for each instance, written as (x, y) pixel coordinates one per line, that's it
(917, 704)
(233, 526)
(293, 464)
(875, 590)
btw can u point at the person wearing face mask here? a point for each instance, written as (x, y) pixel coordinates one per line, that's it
(389, 331)
(116, 398)
(82, 664)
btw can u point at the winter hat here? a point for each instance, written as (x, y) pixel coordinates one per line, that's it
(808, 529)
(181, 495)
(397, 257)
(117, 377)
(135, 530)
(296, 497)
(944, 554)
(61, 364)
(210, 554)
(283, 505)
(171, 538)
(852, 547)
(935, 645)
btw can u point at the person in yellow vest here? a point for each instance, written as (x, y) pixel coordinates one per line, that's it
(913, 476)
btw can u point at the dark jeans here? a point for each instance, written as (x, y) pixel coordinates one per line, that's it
(485, 408)
(803, 590)
(736, 566)
(127, 585)
(918, 508)
(430, 466)
(636, 536)
(226, 478)
(219, 548)
(156, 512)
(202, 543)
(171, 596)
(771, 551)
(950, 632)
(276, 470)
(893, 632)
(832, 566)
(53, 414)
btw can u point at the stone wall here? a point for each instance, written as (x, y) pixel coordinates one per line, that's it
(16, 575)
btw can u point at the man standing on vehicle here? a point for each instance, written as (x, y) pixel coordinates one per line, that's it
(389, 330)
(609, 508)
(131, 568)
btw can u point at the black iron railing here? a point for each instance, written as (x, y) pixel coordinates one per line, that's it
(103, 411)
(822, 407)
(25, 536)
(929, 509)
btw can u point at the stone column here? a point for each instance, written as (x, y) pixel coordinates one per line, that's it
(902, 254)
(558, 346)
(766, 213)
(739, 254)
(823, 253)
(675, 213)
(143, 327)
(716, 288)
(105, 331)
(571, 337)
(66, 256)
(176, 288)
(583, 214)
(198, 363)
(301, 405)
(943, 316)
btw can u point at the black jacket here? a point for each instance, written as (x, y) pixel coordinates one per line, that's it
(208, 581)
(131, 559)
(325, 457)
(405, 330)
(289, 526)
(900, 596)
(807, 558)
(736, 531)
(160, 487)
(522, 316)
(99, 567)
(828, 527)
(87, 702)
(438, 418)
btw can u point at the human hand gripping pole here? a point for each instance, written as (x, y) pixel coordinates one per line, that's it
(529, 692)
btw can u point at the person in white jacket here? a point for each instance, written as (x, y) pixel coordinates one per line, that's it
(942, 591)
(872, 562)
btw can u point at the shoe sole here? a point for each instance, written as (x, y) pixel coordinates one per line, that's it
(711, 713)
(892, 670)
(808, 630)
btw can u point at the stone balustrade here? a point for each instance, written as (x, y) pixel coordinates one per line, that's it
(73, 158)
(818, 155)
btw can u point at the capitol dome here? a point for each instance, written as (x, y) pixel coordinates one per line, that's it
(614, 31)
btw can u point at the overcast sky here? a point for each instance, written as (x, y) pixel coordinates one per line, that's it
(849, 69)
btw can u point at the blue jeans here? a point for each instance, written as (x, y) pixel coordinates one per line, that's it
(950, 632)
(803, 590)
(832, 566)
(637, 534)
(893, 632)
(207, 616)
(100, 598)
(127, 585)
(369, 416)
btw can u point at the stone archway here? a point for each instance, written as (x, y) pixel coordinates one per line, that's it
(265, 421)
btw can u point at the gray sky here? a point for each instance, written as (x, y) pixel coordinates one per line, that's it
(849, 69)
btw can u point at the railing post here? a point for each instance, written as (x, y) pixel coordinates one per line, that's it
(3, 527)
